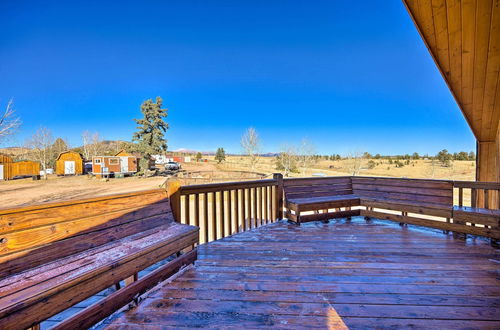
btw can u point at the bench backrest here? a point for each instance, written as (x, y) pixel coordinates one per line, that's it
(418, 190)
(317, 187)
(35, 235)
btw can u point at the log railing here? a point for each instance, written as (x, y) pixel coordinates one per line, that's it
(482, 194)
(223, 209)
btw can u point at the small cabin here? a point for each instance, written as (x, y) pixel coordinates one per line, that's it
(122, 163)
(69, 163)
(24, 168)
(10, 169)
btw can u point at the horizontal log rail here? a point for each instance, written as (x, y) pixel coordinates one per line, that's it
(482, 194)
(463, 207)
(223, 209)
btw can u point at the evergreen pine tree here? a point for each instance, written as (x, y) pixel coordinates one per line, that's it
(57, 147)
(220, 155)
(150, 136)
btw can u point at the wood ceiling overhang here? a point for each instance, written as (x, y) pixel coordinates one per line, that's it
(463, 37)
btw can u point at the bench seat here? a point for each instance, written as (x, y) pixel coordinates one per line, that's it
(319, 195)
(479, 215)
(55, 255)
(59, 284)
(434, 209)
(419, 202)
(323, 202)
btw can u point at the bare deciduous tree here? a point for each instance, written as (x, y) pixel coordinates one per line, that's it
(92, 145)
(9, 123)
(354, 161)
(250, 143)
(86, 138)
(41, 147)
(287, 159)
(431, 171)
(306, 154)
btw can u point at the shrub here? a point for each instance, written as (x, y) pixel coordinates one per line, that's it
(399, 163)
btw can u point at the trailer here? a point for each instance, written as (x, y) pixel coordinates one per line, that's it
(122, 163)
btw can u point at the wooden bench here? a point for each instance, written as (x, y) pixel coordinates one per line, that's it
(484, 222)
(53, 256)
(484, 213)
(420, 202)
(426, 197)
(319, 195)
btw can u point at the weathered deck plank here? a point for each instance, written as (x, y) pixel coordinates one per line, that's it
(344, 274)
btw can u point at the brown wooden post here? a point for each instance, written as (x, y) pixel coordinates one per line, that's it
(197, 210)
(486, 199)
(187, 207)
(254, 208)
(263, 196)
(229, 224)
(298, 215)
(174, 194)
(279, 194)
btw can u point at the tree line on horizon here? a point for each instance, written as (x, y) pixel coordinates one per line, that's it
(149, 139)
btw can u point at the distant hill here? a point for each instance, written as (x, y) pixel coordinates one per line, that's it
(269, 154)
(191, 151)
(14, 151)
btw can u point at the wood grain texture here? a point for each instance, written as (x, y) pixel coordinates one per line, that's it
(350, 274)
(463, 38)
(55, 255)
(30, 236)
(23, 303)
(97, 312)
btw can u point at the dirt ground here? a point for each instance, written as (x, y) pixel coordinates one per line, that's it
(24, 192)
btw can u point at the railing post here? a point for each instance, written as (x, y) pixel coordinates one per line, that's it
(174, 194)
(279, 195)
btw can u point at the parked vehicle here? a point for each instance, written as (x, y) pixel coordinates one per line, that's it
(49, 171)
(87, 167)
(172, 166)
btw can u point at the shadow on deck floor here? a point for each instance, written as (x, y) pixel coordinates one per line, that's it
(353, 274)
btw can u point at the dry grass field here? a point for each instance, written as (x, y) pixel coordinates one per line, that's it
(23, 192)
(459, 170)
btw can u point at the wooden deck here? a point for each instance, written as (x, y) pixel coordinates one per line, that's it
(345, 274)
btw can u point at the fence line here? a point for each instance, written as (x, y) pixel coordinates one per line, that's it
(223, 209)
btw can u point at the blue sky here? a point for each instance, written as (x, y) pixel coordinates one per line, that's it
(346, 75)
